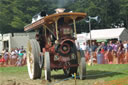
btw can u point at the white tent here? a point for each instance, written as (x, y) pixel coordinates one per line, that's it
(118, 33)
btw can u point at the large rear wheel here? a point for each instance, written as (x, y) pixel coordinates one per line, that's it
(33, 53)
(47, 66)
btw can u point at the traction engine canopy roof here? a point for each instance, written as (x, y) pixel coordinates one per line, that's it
(50, 19)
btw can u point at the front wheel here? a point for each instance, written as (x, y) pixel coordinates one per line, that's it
(47, 66)
(82, 66)
(41, 60)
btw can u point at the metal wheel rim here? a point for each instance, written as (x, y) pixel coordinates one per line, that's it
(82, 68)
(30, 63)
(47, 66)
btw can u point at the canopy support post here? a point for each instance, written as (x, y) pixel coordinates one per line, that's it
(57, 34)
(56, 27)
(74, 23)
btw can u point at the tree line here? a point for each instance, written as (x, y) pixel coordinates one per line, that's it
(15, 14)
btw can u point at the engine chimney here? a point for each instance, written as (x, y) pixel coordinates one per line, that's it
(59, 10)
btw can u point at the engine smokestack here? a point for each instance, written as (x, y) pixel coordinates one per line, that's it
(59, 10)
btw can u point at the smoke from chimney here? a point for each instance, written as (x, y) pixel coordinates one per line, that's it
(62, 3)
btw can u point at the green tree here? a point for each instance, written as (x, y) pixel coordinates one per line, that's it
(124, 12)
(15, 14)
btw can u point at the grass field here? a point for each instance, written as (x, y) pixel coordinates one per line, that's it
(96, 75)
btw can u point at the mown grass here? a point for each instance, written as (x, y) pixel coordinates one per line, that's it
(13, 69)
(108, 71)
(105, 72)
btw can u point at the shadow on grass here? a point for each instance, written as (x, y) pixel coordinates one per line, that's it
(91, 74)
(95, 74)
(59, 76)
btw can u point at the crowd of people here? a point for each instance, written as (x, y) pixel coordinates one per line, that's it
(17, 57)
(106, 53)
(100, 53)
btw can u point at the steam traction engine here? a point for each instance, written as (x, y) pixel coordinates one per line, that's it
(54, 45)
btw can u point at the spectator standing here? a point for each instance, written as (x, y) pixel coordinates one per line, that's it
(2, 60)
(17, 51)
(87, 52)
(99, 53)
(24, 58)
(19, 60)
(120, 53)
(93, 48)
(13, 57)
(6, 56)
(125, 51)
(110, 52)
(103, 50)
(114, 53)
(84, 47)
(111, 44)
(106, 55)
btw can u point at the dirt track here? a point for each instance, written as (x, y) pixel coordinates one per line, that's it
(17, 76)
(20, 77)
(23, 79)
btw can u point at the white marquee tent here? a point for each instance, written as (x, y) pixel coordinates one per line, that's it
(118, 33)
